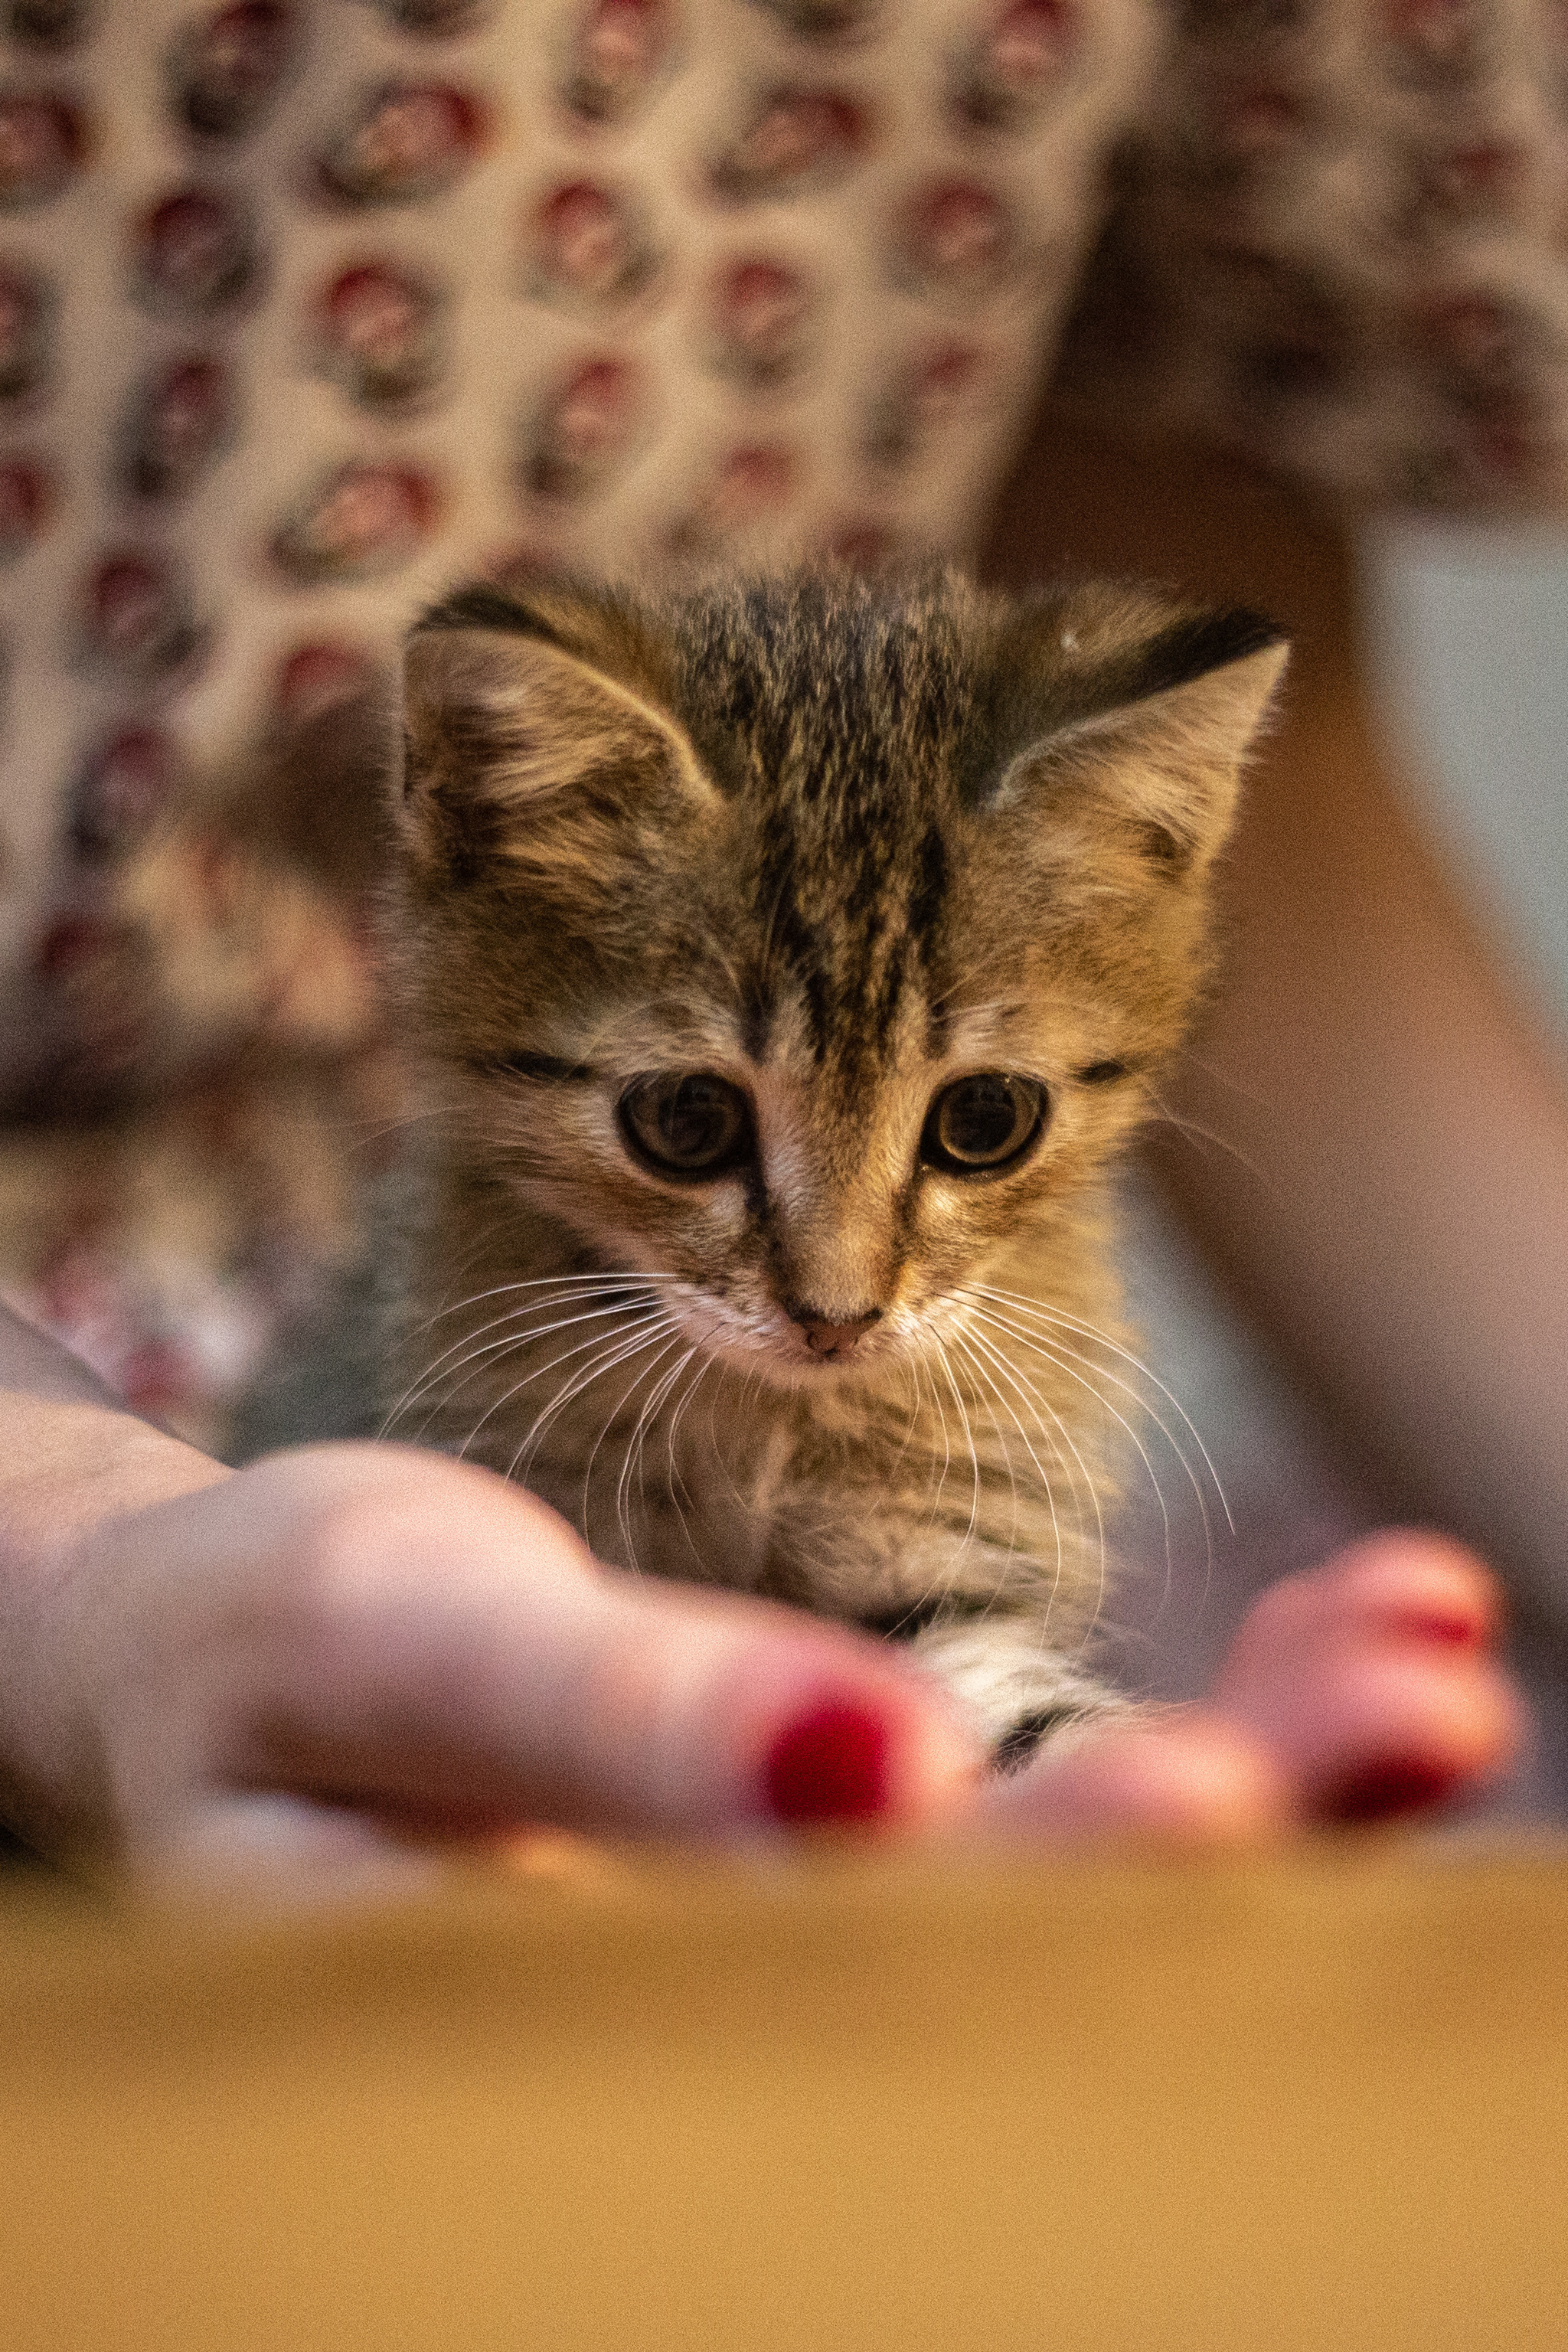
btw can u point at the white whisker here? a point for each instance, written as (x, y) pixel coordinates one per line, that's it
(1053, 1352)
(601, 1354)
(633, 1456)
(1192, 1131)
(612, 1353)
(563, 1289)
(986, 1394)
(1075, 1459)
(988, 1379)
(946, 1447)
(674, 1478)
(973, 1458)
(517, 1333)
(670, 1330)
(1064, 1321)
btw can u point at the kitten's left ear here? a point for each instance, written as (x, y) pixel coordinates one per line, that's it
(1140, 716)
(538, 735)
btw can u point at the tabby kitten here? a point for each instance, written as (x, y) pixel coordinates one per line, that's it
(782, 964)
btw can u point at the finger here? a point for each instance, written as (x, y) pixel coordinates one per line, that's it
(1188, 1779)
(1399, 1584)
(1371, 1679)
(261, 1839)
(448, 1654)
(1371, 1729)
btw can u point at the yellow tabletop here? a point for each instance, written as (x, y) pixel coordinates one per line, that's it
(846, 2101)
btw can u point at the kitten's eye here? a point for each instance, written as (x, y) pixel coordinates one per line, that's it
(983, 1122)
(688, 1125)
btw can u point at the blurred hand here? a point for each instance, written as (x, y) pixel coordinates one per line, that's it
(1364, 1690)
(317, 1657)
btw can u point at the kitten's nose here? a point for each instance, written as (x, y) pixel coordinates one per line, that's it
(826, 1338)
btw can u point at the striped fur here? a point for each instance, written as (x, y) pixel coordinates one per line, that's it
(839, 844)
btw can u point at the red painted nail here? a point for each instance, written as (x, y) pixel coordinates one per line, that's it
(1382, 1791)
(1453, 1629)
(830, 1765)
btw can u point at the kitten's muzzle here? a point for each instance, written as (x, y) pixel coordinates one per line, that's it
(829, 1339)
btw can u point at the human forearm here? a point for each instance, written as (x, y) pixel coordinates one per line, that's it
(74, 1459)
(1399, 1206)
(73, 1452)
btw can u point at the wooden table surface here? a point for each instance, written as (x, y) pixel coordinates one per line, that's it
(843, 2101)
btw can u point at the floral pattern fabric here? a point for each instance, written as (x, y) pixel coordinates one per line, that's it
(1340, 246)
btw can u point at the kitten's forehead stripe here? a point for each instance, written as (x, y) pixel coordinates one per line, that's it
(838, 712)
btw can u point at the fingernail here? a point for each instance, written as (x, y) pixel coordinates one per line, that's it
(1456, 1631)
(830, 1765)
(1384, 1791)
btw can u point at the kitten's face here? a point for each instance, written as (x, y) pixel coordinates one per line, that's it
(804, 942)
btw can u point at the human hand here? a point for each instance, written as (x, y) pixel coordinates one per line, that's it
(316, 1658)
(345, 1648)
(1357, 1692)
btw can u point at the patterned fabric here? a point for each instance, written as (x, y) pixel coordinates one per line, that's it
(305, 309)
(307, 306)
(1340, 246)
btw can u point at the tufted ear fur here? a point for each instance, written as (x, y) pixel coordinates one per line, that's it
(1131, 722)
(536, 745)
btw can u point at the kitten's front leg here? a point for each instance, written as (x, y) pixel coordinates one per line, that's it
(1014, 1685)
(982, 1581)
(1006, 1635)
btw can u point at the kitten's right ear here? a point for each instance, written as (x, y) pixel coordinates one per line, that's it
(1132, 717)
(535, 741)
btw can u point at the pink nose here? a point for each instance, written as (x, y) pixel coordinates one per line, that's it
(826, 1338)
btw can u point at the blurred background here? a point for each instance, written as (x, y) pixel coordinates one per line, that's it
(1470, 652)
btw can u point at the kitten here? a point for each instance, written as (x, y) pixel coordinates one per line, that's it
(782, 964)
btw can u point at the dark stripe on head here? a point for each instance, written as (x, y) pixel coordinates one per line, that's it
(928, 891)
(487, 607)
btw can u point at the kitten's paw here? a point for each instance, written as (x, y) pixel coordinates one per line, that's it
(1015, 1690)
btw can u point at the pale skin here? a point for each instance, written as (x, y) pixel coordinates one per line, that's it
(339, 1650)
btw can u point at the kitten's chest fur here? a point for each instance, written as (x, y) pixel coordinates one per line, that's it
(956, 1505)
